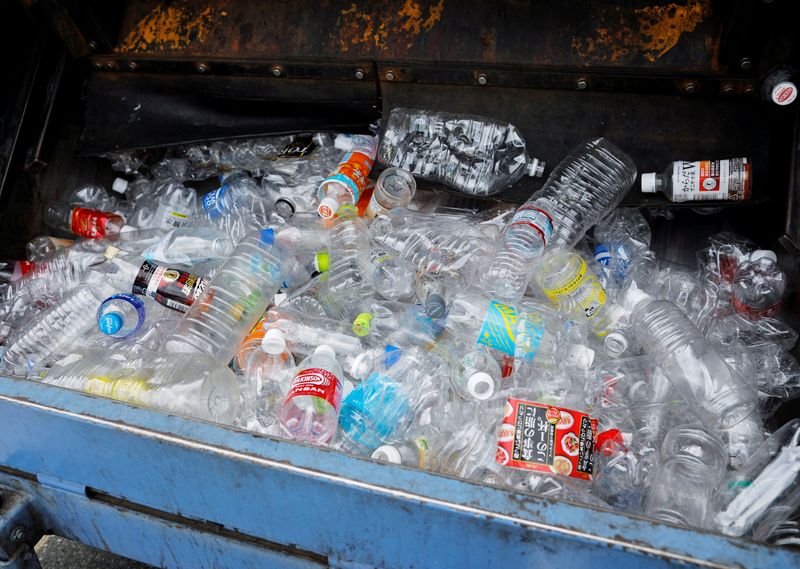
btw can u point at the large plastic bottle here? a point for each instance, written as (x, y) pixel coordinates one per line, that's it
(190, 245)
(185, 384)
(345, 184)
(684, 180)
(310, 412)
(758, 286)
(84, 222)
(305, 332)
(583, 188)
(473, 154)
(235, 299)
(476, 375)
(482, 320)
(696, 370)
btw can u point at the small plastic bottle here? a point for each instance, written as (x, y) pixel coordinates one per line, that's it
(758, 286)
(395, 188)
(310, 412)
(267, 369)
(685, 181)
(477, 375)
(84, 222)
(346, 183)
(120, 315)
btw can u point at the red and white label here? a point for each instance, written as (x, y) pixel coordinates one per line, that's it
(545, 438)
(89, 223)
(753, 313)
(711, 180)
(317, 382)
(784, 93)
(536, 218)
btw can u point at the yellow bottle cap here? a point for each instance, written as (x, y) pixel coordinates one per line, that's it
(321, 261)
(362, 324)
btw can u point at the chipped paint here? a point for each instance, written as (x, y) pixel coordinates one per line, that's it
(169, 27)
(650, 32)
(357, 28)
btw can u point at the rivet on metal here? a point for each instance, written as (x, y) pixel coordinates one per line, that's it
(749, 89)
(745, 63)
(109, 65)
(728, 89)
(133, 66)
(93, 45)
(389, 75)
(201, 67)
(482, 79)
(97, 65)
(360, 73)
(277, 70)
(689, 87)
(582, 84)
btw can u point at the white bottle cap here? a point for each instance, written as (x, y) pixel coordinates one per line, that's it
(763, 254)
(615, 344)
(274, 342)
(387, 453)
(326, 350)
(784, 93)
(327, 207)
(649, 183)
(120, 185)
(110, 252)
(480, 385)
(279, 298)
(580, 356)
(535, 168)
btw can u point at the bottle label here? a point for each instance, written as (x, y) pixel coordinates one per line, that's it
(536, 218)
(584, 290)
(175, 218)
(89, 223)
(300, 146)
(499, 327)
(212, 202)
(379, 255)
(127, 389)
(711, 180)
(317, 382)
(544, 438)
(374, 209)
(753, 313)
(173, 288)
(353, 170)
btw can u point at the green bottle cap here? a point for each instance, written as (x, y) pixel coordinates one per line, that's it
(321, 261)
(362, 324)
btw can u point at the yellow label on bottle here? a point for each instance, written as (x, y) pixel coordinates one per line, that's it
(128, 389)
(584, 290)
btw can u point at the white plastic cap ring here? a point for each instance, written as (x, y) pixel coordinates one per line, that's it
(120, 185)
(480, 385)
(649, 183)
(328, 207)
(274, 341)
(387, 453)
(763, 254)
(616, 344)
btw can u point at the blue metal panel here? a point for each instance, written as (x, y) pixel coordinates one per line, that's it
(355, 512)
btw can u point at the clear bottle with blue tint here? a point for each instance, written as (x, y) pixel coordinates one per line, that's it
(120, 315)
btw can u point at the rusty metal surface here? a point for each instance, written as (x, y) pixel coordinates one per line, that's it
(679, 34)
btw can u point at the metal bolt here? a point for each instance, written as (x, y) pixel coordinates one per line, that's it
(389, 75)
(201, 67)
(582, 84)
(18, 534)
(745, 63)
(728, 89)
(482, 79)
(689, 87)
(360, 73)
(93, 45)
(749, 89)
(97, 65)
(109, 65)
(277, 70)
(133, 66)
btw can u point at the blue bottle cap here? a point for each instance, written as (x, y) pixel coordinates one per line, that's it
(110, 323)
(267, 236)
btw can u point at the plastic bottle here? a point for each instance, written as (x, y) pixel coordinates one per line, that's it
(170, 205)
(195, 385)
(684, 181)
(473, 154)
(83, 222)
(305, 332)
(234, 300)
(268, 369)
(237, 193)
(414, 451)
(395, 323)
(583, 188)
(191, 245)
(476, 375)
(344, 185)
(779, 87)
(395, 188)
(120, 315)
(478, 319)
(567, 281)
(43, 246)
(12, 271)
(696, 370)
(433, 294)
(758, 286)
(173, 288)
(310, 412)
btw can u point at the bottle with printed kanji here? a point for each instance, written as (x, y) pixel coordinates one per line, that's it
(686, 181)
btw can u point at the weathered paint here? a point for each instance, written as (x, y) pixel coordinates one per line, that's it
(649, 32)
(169, 26)
(356, 25)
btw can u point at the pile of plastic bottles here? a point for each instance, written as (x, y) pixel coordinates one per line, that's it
(542, 347)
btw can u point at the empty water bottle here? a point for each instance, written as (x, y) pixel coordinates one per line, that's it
(192, 245)
(120, 315)
(704, 180)
(84, 222)
(395, 188)
(345, 184)
(758, 286)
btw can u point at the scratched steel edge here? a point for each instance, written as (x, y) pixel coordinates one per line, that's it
(460, 73)
(47, 430)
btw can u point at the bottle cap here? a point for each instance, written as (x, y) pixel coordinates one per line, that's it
(110, 252)
(784, 93)
(327, 207)
(362, 324)
(267, 236)
(387, 453)
(120, 185)
(435, 305)
(285, 207)
(480, 385)
(615, 344)
(360, 366)
(649, 183)
(110, 323)
(279, 298)
(535, 168)
(326, 350)
(321, 260)
(273, 342)
(763, 254)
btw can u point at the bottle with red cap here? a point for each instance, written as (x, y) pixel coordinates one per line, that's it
(758, 285)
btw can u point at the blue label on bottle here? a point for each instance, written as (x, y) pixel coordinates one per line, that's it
(267, 236)
(601, 254)
(498, 329)
(373, 410)
(212, 202)
(347, 182)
